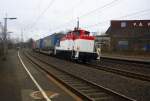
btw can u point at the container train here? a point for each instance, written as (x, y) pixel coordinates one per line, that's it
(77, 44)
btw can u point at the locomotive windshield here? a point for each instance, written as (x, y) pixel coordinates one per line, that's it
(81, 32)
(76, 32)
(86, 32)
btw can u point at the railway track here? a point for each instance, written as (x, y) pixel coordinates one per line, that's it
(133, 62)
(117, 68)
(87, 90)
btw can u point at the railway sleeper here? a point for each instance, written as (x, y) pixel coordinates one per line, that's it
(73, 82)
(78, 84)
(90, 91)
(66, 77)
(70, 81)
(107, 98)
(83, 87)
(97, 95)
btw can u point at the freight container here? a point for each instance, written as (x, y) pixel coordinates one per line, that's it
(49, 42)
(37, 44)
(33, 44)
(41, 44)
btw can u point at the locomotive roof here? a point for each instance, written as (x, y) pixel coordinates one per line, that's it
(79, 30)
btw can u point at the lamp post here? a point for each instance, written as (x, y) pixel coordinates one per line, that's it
(5, 36)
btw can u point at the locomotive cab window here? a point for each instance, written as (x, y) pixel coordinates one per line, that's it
(77, 33)
(86, 33)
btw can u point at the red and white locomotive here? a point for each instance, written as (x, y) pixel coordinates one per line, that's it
(77, 44)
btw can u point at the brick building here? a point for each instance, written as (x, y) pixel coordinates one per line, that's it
(129, 35)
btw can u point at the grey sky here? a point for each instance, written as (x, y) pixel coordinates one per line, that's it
(58, 15)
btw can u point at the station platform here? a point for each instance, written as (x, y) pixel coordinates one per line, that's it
(16, 84)
(140, 58)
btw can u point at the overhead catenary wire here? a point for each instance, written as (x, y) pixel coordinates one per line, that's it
(40, 16)
(34, 24)
(31, 26)
(102, 22)
(74, 6)
(128, 15)
(99, 8)
(88, 13)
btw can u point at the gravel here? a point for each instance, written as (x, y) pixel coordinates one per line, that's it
(136, 89)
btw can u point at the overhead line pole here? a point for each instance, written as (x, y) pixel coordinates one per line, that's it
(78, 23)
(21, 43)
(5, 37)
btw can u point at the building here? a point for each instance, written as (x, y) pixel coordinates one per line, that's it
(129, 35)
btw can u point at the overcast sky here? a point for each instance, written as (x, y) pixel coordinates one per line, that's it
(39, 18)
